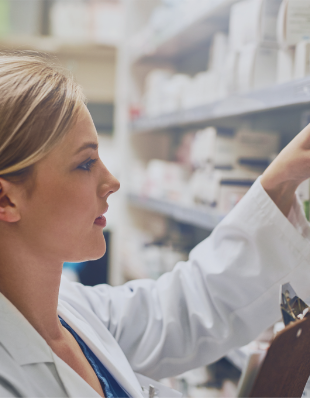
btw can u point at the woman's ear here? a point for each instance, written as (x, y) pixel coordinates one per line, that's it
(8, 201)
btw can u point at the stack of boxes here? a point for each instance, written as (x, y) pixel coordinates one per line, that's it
(220, 167)
(294, 40)
(227, 163)
(268, 43)
(253, 44)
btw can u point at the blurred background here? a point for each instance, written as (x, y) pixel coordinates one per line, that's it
(192, 99)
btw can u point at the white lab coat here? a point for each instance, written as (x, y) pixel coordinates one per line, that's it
(223, 297)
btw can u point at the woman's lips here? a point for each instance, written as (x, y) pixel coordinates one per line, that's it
(101, 221)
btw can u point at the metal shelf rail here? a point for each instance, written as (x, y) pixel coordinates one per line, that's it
(206, 218)
(296, 92)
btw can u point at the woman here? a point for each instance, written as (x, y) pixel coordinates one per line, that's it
(63, 339)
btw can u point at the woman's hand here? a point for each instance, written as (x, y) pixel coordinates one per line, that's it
(288, 170)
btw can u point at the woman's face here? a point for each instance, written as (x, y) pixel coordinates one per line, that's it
(71, 188)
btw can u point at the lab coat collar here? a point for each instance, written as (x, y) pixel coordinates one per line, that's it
(106, 352)
(20, 339)
(27, 346)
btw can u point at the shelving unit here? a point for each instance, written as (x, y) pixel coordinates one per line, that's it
(272, 98)
(53, 45)
(178, 38)
(200, 216)
(281, 106)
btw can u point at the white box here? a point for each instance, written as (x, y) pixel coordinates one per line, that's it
(165, 180)
(218, 52)
(173, 91)
(257, 67)
(202, 90)
(285, 64)
(220, 188)
(244, 23)
(224, 152)
(297, 22)
(215, 147)
(228, 76)
(71, 20)
(253, 21)
(154, 85)
(268, 20)
(107, 25)
(265, 68)
(302, 60)
(245, 68)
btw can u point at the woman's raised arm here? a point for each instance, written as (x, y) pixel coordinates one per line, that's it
(288, 170)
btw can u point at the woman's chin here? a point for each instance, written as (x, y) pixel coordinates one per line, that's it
(93, 252)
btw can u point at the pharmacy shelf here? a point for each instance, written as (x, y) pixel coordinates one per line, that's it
(185, 32)
(54, 45)
(289, 94)
(202, 217)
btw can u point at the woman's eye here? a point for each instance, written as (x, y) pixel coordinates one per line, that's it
(88, 165)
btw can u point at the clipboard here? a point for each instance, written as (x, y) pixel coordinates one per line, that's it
(286, 368)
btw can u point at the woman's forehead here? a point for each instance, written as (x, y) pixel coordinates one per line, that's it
(83, 133)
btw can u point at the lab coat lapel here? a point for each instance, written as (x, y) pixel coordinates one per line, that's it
(109, 353)
(20, 339)
(75, 386)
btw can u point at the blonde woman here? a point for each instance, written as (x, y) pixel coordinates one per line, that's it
(60, 339)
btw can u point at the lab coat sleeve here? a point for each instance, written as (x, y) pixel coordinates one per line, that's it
(221, 298)
(5, 392)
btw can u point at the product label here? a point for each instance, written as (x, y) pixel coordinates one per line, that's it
(297, 21)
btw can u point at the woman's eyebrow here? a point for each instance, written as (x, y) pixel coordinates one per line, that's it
(87, 145)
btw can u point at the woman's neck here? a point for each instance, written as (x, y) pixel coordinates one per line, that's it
(32, 286)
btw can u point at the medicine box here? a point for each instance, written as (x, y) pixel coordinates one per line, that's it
(253, 22)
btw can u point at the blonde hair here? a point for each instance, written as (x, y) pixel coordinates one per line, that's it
(39, 103)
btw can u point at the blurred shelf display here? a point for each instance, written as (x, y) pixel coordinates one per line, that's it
(22, 17)
(181, 28)
(100, 21)
(219, 94)
(278, 96)
(56, 45)
(237, 70)
(92, 64)
(97, 21)
(220, 86)
(202, 217)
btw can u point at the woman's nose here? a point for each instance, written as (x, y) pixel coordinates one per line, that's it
(115, 184)
(109, 185)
